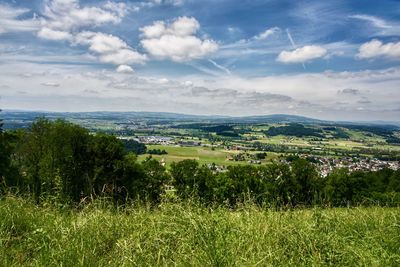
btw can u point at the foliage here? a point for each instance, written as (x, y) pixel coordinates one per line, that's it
(134, 146)
(63, 161)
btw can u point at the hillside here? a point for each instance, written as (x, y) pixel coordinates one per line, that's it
(186, 234)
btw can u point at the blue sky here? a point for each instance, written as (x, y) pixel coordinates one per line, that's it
(324, 59)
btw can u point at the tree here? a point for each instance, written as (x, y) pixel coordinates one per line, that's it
(278, 184)
(307, 182)
(184, 174)
(33, 155)
(246, 182)
(394, 182)
(70, 159)
(135, 147)
(107, 154)
(55, 159)
(336, 191)
(154, 179)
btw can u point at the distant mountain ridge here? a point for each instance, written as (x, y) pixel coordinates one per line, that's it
(27, 116)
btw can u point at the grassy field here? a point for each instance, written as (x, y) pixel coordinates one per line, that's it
(204, 155)
(188, 235)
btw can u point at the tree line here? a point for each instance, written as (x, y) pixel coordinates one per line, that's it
(63, 161)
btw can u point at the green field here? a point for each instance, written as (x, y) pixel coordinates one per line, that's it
(189, 235)
(204, 155)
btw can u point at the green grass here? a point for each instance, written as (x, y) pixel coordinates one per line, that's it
(189, 235)
(204, 155)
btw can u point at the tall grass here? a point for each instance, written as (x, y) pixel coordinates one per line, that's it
(186, 234)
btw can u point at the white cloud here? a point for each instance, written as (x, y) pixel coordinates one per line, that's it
(176, 41)
(184, 26)
(120, 8)
(63, 20)
(68, 15)
(376, 48)
(228, 95)
(268, 32)
(124, 69)
(110, 48)
(9, 21)
(49, 34)
(153, 31)
(303, 54)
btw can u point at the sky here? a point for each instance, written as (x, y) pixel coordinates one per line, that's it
(335, 60)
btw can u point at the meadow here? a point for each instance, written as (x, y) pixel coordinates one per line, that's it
(204, 155)
(187, 234)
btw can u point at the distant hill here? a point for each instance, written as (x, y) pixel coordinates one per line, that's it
(18, 118)
(278, 118)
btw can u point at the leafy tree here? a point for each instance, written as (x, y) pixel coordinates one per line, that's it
(33, 155)
(107, 155)
(336, 191)
(70, 150)
(154, 180)
(278, 183)
(184, 174)
(55, 159)
(135, 147)
(245, 181)
(394, 182)
(306, 181)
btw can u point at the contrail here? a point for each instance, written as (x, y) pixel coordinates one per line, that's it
(293, 43)
(220, 67)
(290, 39)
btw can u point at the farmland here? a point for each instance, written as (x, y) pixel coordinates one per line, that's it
(205, 155)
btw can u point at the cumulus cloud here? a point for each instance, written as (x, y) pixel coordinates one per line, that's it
(176, 41)
(109, 48)
(124, 69)
(267, 33)
(68, 15)
(303, 54)
(64, 20)
(9, 21)
(376, 48)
